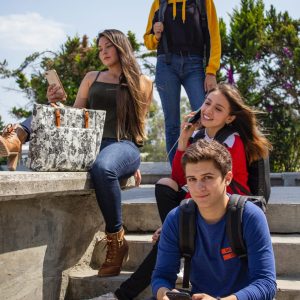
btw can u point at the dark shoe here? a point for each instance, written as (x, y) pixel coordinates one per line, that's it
(117, 252)
(13, 136)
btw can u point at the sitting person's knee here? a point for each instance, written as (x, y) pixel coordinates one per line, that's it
(168, 182)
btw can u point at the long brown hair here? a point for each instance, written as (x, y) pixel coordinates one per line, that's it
(245, 123)
(130, 99)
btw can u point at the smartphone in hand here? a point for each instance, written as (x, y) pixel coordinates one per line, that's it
(53, 78)
(178, 296)
(195, 117)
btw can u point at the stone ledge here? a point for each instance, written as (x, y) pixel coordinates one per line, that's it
(20, 185)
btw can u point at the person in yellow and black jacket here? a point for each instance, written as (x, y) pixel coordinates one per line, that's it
(178, 35)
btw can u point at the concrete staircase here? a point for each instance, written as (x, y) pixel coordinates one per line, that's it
(141, 219)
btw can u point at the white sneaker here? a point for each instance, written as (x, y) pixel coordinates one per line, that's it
(108, 296)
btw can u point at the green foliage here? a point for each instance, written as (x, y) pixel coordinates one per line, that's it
(1, 124)
(261, 57)
(155, 146)
(2, 159)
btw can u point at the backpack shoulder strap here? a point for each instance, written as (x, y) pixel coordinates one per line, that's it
(237, 188)
(234, 228)
(161, 17)
(198, 136)
(224, 133)
(204, 24)
(187, 233)
(162, 9)
(202, 8)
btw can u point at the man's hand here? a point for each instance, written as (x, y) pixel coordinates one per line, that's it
(210, 82)
(158, 28)
(202, 297)
(55, 93)
(156, 235)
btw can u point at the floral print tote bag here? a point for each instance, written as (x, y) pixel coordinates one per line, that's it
(64, 138)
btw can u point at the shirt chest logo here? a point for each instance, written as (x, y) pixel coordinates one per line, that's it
(227, 253)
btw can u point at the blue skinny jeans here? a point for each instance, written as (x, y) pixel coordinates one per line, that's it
(185, 70)
(115, 160)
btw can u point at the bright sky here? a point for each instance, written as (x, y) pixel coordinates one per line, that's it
(36, 25)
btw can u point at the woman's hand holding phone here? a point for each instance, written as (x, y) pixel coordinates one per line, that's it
(187, 129)
(55, 91)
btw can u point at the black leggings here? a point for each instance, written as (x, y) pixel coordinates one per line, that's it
(166, 199)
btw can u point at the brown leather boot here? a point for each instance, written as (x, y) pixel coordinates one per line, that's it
(13, 136)
(117, 252)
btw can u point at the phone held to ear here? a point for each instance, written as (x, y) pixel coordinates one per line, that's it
(195, 117)
(53, 78)
(178, 296)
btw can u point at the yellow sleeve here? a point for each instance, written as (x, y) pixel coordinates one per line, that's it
(215, 39)
(150, 40)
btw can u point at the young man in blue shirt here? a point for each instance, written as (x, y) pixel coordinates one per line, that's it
(216, 271)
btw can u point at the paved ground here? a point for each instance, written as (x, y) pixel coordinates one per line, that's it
(279, 194)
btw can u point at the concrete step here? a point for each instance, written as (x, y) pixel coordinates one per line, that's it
(140, 211)
(286, 249)
(85, 284)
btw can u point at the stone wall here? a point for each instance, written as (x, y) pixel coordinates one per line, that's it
(47, 222)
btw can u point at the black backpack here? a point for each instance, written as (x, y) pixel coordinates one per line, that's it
(204, 26)
(234, 228)
(258, 171)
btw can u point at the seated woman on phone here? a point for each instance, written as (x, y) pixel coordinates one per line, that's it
(223, 109)
(125, 95)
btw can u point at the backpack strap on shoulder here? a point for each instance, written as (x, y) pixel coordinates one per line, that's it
(237, 188)
(161, 17)
(224, 133)
(187, 233)
(198, 136)
(162, 9)
(234, 228)
(204, 25)
(202, 8)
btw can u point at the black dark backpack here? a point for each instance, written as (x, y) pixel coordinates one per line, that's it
(258, 171)
(204, 26)
(234, 228)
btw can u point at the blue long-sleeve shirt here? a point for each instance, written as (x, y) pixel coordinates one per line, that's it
(215, 270)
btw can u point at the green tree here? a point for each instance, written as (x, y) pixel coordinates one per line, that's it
(155, 146)
(260, 56)
(1, 124)
(2, 159)
(75, 58)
